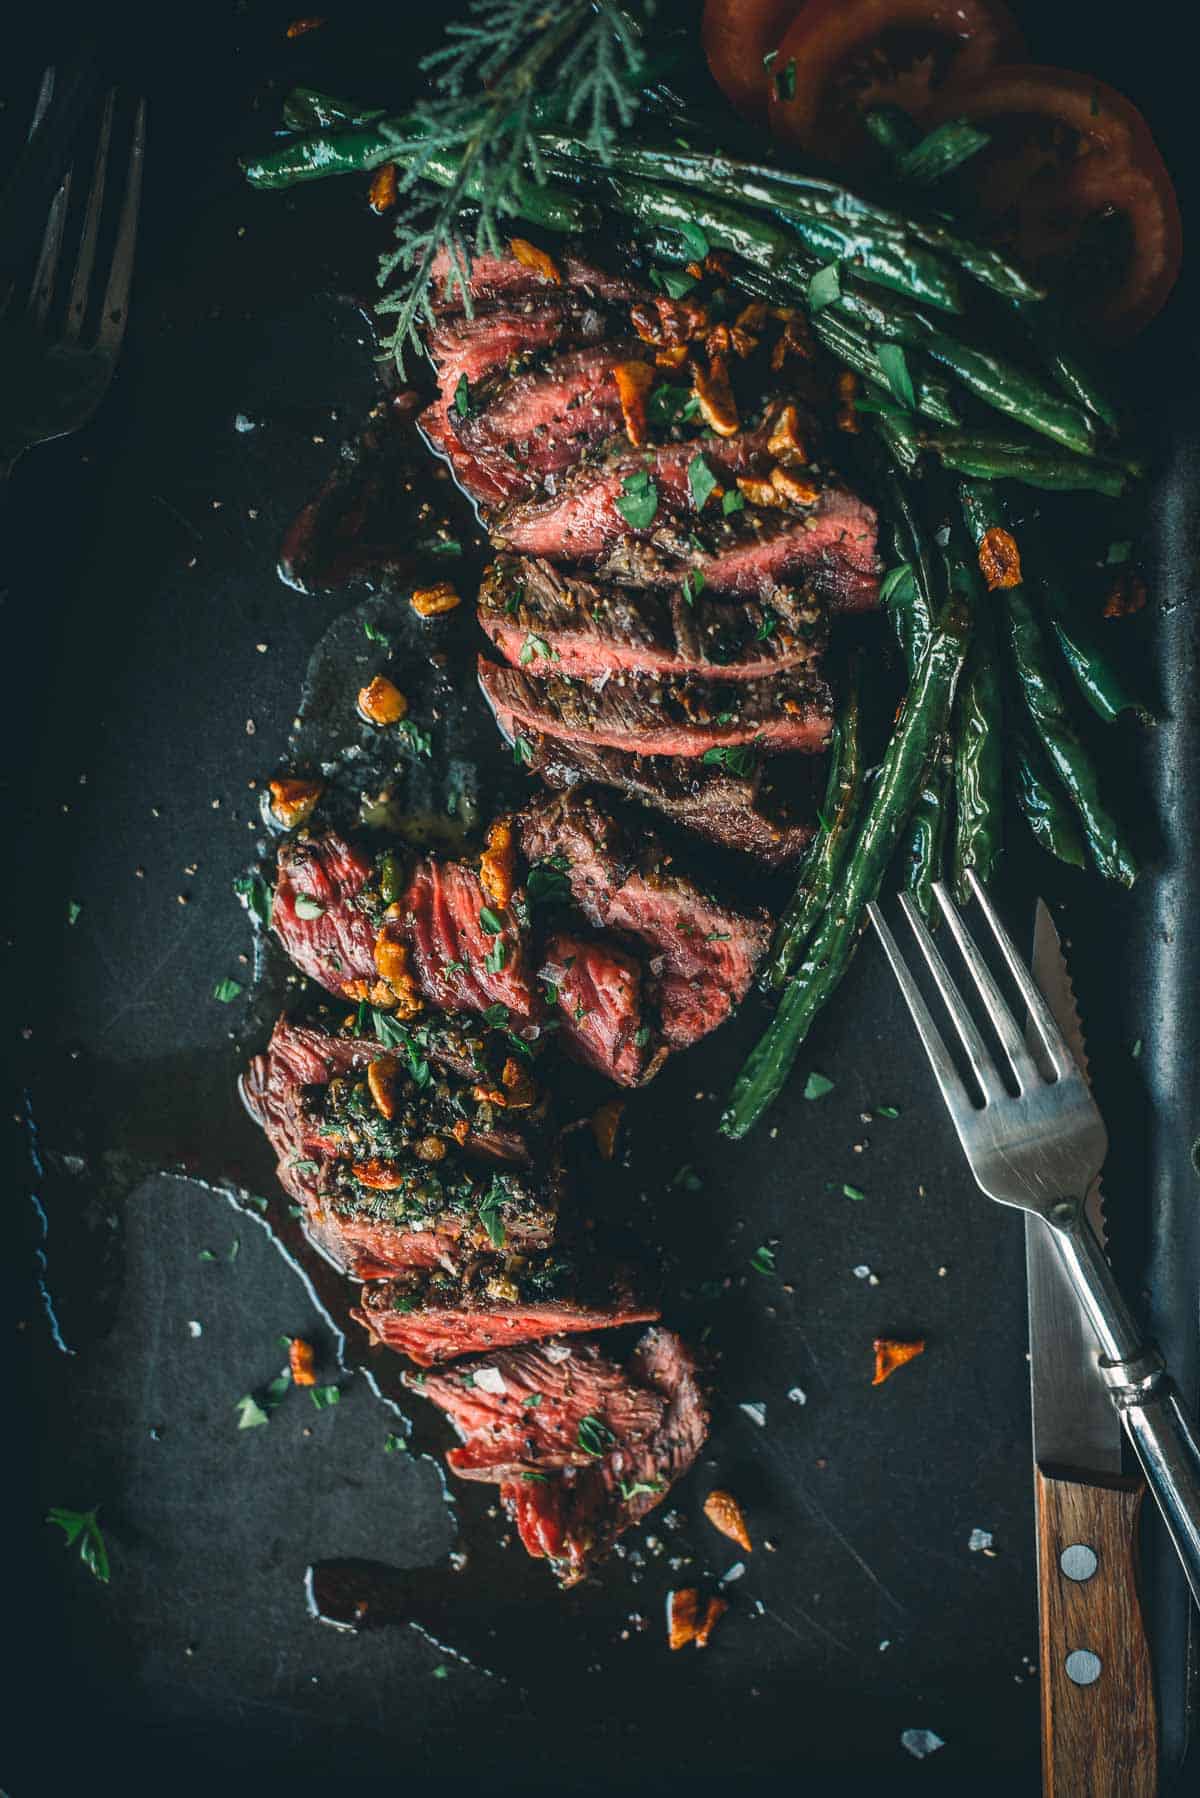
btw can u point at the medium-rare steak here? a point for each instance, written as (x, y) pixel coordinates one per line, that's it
(495, 1303)
(677, 715)
(595, 989)
(508, 278)
(598, 1448)
(743, 812)
(829, 542)
(467, 955)
(456, 1168)
(545, 620)
(326, 912)
(702, 955)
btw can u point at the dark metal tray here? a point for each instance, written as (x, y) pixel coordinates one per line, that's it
(138, 577)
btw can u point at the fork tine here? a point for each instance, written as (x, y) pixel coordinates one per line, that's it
(41, 291)
(958, 1100)
(116, 294)
(982, 1065)
(77, 299)
(1023, 1066)
(40, 108)
(1053, 1041)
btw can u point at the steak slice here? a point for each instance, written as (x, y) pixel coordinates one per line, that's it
(500, 335)
(332, 936)
(507, 277)
(493, 1304)
(703, 955)
(596, 989)
(547, 621)
(583, 1402)
(459, 963)
(435, 1182)
(598, 1451)
(738, 812)
(679, 715)
(829, 543)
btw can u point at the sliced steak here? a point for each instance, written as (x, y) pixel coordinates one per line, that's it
(738, 812)
(600, 1448)
(830, 543)
(502, 335)
(703, 955)
(459, 962)
(546, 621)
(431, 1184)
(507, 277)
(595, 989)
(494, 1304)
(678, 715)
(331, 937)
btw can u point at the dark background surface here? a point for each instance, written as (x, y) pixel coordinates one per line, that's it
(138, 578)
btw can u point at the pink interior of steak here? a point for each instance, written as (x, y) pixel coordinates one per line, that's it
(331, 937)
(430, 1333)
(596, 991)
(460, 962)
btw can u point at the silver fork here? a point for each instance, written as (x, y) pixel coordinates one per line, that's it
(51, 381)
(1040, 1151)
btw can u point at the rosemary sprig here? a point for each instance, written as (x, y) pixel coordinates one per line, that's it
(497, 77)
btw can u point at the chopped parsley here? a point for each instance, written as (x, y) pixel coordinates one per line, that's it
(718, 936)
(490, 920)
(548, 883)
(899, 581)
(206, 1255)
(886, 1111)
(395, 1445)
(82, 1527)
(693, 586)
(462, 397)
(532, 1402)
(541, 1479)
(854, 1192)
(674, 282)
(670, 405)
(638, 500)
(490, 1207)
(824, 288)
(701, 480)
(695, 239)
(496, 1015)
(894, 365)
(733, 501)
(817, 1085)
(227, 990)
(735, 758)
(439, 546)
(641, 1036)
(73, 910)
(325, 1396)
(594, 1437)
(632, 1488)
(551, 990)
(256, 896)
(768, 627)
(522, 752)
(418, 740)
(785, 80)
(374, 635)
(536, 646)
(250, 1413)
(496, 957)
(763, 1260)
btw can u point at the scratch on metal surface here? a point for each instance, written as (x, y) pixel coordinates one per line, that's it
(777, 1617)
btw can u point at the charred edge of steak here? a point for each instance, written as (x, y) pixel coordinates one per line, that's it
(740, 813)
(604, 1022)
(675, 716)
(546, 621)
(455, 1169)
(507, 278)
(492, 1304)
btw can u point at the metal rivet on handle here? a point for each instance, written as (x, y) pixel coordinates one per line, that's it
(1083, 1666)
(1078, 1561)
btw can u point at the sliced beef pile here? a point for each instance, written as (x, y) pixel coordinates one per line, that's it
(433, 1316)
(397, 1158)
(547, 621)
(701, 955)
(580, 1445)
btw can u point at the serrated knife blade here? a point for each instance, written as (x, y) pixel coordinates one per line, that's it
(1074, 1423)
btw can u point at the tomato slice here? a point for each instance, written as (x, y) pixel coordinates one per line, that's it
(1073, 183)
(839, 58)
(738, 35)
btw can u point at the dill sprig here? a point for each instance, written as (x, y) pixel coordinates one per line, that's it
(503, 72)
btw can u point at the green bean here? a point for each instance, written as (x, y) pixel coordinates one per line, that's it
(935, 396)
(318, 154)
(913, 745)
(1046, 332)
(893, 130)
(305, 109)
(1099, 678)
(1047, 705)
(824, 862)
(993, 458)
(928, 829)
(978, 751)
(945, 149)
(1044, 806)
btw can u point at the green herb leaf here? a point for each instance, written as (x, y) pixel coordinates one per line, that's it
(737, 758)
(418, 740)
(308, 908)
(633, 1488)
(768, 627)
(496, 1015)
(490, 920)
(669, 405)
(278, 1390)
(541, 1479)
(637, 501)
(374, 635)
(227, 990)
(536, 646)
(1136, 1049)
(687, 1177)
(641, 1036)
(82, 1527)
(785, 81)
(734, 500)
(497, 955)
(441, 1673)
(675, 282)
(594, 1437)
(462, 397)
(824, 287)
(886, 1111)
(522, 752)
(256, 896)
(206, 1255)
(854, 1192)
(894, 365)
(395, 1445)
(325, 1396)
(763, 1260)
(817, 1085)
(899, 582)
(532, 1402)
(693, 586)
(235, 1248)
(694, 238)
(701, 480)
(490, 1207)
(250, 1413)
(73, 910)
(548, 883)
(1119, 552)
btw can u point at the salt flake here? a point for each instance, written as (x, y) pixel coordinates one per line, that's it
(556, 1351)
(490, 1379)
(862, 1272)
(979, 1540)
(797, 1395)
(757, 1413)
(732, 1573)
(195, 1329)
(920, 1742)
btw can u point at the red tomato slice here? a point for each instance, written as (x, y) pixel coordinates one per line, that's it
(737, 36)
(1074, 184)
(839, 58)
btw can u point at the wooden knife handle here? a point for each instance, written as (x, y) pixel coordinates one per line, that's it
(1099, 1725)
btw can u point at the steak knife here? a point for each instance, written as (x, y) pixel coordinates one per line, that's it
(1099, 1726)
